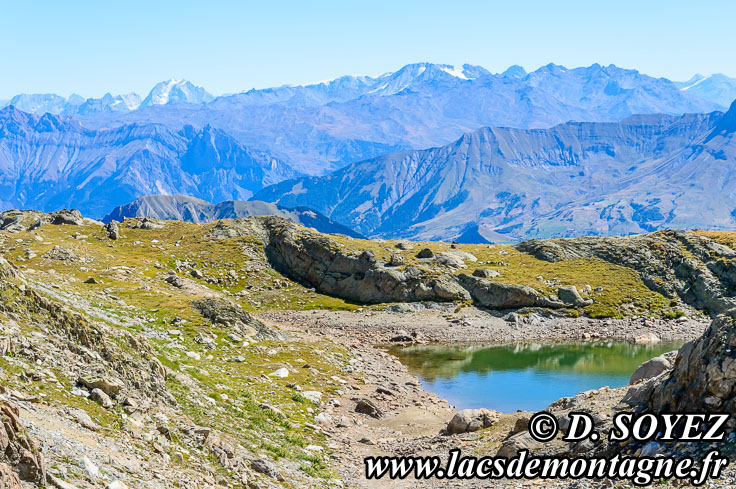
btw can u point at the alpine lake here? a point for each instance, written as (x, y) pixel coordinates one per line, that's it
(524, 376)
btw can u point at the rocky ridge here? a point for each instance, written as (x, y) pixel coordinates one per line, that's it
(695, 267)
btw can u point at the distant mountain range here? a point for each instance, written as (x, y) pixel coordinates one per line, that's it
(167, 92)
(185, 208)
(498, 184)
(354, 148)
(317, 128)
(49, 162)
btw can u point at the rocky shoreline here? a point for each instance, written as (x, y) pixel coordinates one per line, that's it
(446, 324)
(412, 420)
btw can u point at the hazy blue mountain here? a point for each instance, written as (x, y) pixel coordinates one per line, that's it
(717, 88)
(163, 93)
(421, 105)
(40, 103)
(500, 184)
(176, 91)
(185, 208)
(108, 103)
(102, 152)
(48, 162)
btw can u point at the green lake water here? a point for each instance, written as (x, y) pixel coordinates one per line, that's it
(526, 376)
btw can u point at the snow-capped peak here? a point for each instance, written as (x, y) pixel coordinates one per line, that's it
(173, 90)
(696, 80)
(457, 72)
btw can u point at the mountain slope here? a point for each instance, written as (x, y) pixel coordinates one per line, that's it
(190, 209)
(49, 162)
(500, 184)
(419, 106)
(717, 88)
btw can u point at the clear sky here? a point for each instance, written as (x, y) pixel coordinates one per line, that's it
(91, 47)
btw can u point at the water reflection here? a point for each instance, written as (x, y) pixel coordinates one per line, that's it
(523, 375)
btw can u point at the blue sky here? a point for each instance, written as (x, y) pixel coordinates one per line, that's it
(90, 47)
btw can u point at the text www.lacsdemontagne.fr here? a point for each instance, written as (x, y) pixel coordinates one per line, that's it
(638, 470)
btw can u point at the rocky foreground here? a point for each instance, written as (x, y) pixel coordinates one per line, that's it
(246, 353)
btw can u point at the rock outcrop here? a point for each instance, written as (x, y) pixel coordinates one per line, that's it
(320, 262)
(704, 375)
(14, 220)
(18, 450)
(230, 315)
(496, 295)
(694, 267)
(317, 260)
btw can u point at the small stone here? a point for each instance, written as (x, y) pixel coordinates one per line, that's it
(425, 253)
(396, 260)
(647, 338)
(485, 273)
(92, 470)
(84, 420)
(101, 398)
(312, 396)
(56, 482)
(283, 372)
(469, 420)
(365, 406)
(265, 467)
(107, 384)
(113, 230)
(323, 419)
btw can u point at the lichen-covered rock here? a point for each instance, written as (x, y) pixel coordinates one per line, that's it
(496, 295)
(570, 296)
(15, 221)
(469, 420)
(265, 467)
(396, 260)
(520, 441)
(485, 273)
(145, 223)
(696, 268)
(366, 406)
(112, 229)
(318, 261)
(8, 478)
(18, 449)
(425, 253)
(231, 315)
(704, 375)
(652, 368)
(69, 217)
(108, 384)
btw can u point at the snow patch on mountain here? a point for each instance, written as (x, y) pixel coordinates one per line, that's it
(176, 91)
